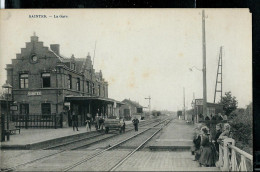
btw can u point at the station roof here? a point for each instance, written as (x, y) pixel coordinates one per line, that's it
(88, 98)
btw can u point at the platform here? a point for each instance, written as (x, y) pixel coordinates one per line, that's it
(38, 138)
(178, 135)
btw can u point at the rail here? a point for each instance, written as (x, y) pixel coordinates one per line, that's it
(131, 153)
(110, 148)
(58, 152)
(231, 158)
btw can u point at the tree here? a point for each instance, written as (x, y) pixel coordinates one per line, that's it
(229, 103)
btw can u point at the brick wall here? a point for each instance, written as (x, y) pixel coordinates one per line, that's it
(47, 61)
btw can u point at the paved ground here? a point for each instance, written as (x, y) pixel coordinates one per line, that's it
(162, 161)
(176, 133)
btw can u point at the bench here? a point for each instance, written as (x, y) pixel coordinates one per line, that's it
(12, 129)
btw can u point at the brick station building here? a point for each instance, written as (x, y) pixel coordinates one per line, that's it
(45, 83)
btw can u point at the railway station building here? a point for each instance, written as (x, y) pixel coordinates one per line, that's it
(212, 109)
(48, 86)
(131, 109)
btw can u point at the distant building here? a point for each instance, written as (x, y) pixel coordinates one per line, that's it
(131, 109)
(45, 82)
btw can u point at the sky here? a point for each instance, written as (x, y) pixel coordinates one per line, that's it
(144, 52)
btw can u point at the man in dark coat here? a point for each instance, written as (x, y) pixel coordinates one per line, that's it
(135, 122)
(74, 121)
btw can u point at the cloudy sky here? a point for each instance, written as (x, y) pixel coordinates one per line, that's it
(144, 52)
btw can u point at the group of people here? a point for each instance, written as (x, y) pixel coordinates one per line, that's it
(217, 117)
(206, 147)
(99, 122)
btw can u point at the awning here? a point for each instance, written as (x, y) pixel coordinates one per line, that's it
(89, 98)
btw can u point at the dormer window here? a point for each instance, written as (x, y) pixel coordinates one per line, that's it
(73, 66)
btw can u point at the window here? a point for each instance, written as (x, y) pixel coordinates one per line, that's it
(46, 80)
(87, 87)
(78, 84)
(24, 109)
(24, 81)
(46, 110)
(93, 88)
(99, 90)
(139, 110)
(69, 82)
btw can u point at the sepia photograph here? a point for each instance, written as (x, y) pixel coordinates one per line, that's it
(126, 90)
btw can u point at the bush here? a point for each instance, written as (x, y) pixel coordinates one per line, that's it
(242, 127)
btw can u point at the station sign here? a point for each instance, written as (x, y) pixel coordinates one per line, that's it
(14, 107)
(199, 102)
(34, 93)
(66, 103)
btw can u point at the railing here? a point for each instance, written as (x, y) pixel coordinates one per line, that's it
(231, 158)
(37, 121)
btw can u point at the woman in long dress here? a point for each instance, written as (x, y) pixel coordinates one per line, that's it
(218, 133)
(208, 154)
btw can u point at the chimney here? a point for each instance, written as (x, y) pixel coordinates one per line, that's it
(55, 48)
(34, 38)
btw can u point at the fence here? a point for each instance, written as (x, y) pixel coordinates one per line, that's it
(232, 158)
(37, 121)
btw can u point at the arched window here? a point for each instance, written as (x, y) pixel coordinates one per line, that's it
(46, 80)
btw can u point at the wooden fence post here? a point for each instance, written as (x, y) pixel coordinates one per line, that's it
(226, 164)
(26, 121)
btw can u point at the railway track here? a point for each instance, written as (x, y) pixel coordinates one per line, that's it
(152, 131)
(73, 146)
(88, 141)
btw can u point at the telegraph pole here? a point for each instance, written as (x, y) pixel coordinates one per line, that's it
(204, 66)
(184, 103)
(149, 98)
(94, 53)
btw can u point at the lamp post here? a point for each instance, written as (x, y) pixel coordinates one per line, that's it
(8, 90)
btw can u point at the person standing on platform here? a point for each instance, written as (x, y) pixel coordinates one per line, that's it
(74, 121)
(135, 122)
(208, 154)
(97, 122)
(196, 141)
(219, 117)
(88, 123)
